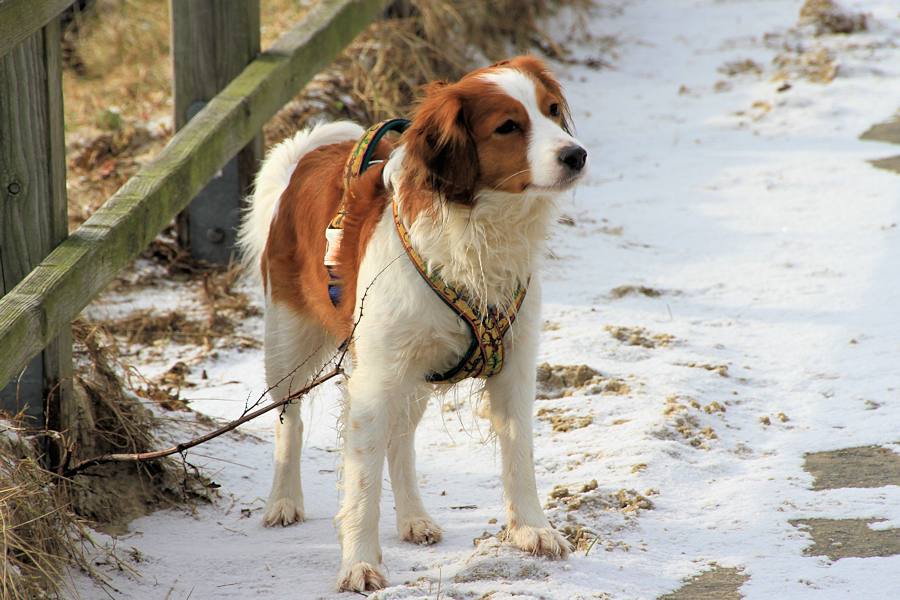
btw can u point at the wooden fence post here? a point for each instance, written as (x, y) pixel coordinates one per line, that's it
(212, 42)
(33, 211)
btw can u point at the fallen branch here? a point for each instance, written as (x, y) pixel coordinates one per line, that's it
(180, 448)
(140, 457)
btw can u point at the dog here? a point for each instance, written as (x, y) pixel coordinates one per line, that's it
(465, 197)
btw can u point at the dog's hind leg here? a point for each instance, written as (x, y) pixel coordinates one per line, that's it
(295, 349)
(413, 522)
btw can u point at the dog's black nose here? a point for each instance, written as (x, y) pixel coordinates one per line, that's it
(573, 157)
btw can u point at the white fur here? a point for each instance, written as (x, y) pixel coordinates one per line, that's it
(295, 349)
(405, 331)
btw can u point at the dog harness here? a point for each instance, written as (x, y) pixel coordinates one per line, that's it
(357, 164)
(484, 356)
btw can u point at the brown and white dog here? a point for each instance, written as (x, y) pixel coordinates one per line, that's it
(475, 179)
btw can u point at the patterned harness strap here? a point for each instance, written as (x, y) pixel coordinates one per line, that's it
(357, 164)
(484, 357)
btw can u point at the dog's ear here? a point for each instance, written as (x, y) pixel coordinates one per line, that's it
(440, 142)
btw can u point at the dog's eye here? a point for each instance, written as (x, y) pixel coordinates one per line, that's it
(554, 110)
(507, 127)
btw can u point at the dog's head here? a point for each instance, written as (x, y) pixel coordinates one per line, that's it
(504, 128)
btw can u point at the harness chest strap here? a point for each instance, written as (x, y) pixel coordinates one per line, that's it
(484, 356)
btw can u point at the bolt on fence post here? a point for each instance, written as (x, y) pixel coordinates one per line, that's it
(33, 211)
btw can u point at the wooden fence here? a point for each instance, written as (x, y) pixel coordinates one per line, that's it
(47, 277)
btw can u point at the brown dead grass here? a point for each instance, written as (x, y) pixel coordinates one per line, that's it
(118, 92)
(559, 381)
(828, 17)
(111, 417)
(561, 421)
(421, 41)
(215, 315)
(40, 536)
(638, 336)
(118, 81)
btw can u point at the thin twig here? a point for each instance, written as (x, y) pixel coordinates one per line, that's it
(148, 456)
(140, 457)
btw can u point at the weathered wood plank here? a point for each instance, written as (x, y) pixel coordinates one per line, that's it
(33, 211)
(212, 42)
(19, 19)
(68, 279)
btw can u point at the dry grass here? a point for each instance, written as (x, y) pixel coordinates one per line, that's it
(121, 49)
(118, 90)
(215, 315)
(41, 538)
(828, 17)
(422, 41)
(111, 417)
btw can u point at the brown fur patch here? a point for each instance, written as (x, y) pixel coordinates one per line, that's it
(294, 256)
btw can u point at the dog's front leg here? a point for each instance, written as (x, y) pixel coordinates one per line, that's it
(371, 413)
(511, 395)
(413, 522)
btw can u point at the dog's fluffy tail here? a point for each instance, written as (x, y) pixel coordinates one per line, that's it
(273, 179)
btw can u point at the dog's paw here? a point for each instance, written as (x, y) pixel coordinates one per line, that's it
(539, 541)
(361, 577)
(420, 530)
(284, 511)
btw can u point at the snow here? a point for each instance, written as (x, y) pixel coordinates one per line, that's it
(773, 243)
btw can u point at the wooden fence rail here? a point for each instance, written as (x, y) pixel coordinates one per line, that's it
(20, 19)
(44, 304)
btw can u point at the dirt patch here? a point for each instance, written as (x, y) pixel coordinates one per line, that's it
(587, 497)
(562, 422)
(683, 422)
(720, 583)
(740, 66)
(639, 336)
(849, 538)
(863, 467)
(818, 66)
(574, 508)
(558, 381)
(883, 132)
(634, 290)
(492, 560)
(717, 369)
(828, 17)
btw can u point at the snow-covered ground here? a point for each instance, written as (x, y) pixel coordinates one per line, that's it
(762, 323)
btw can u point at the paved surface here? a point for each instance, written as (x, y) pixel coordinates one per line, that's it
(862, 467)
(885, 132)
(718, 584)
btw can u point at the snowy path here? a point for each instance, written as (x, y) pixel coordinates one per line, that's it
(762, 323)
